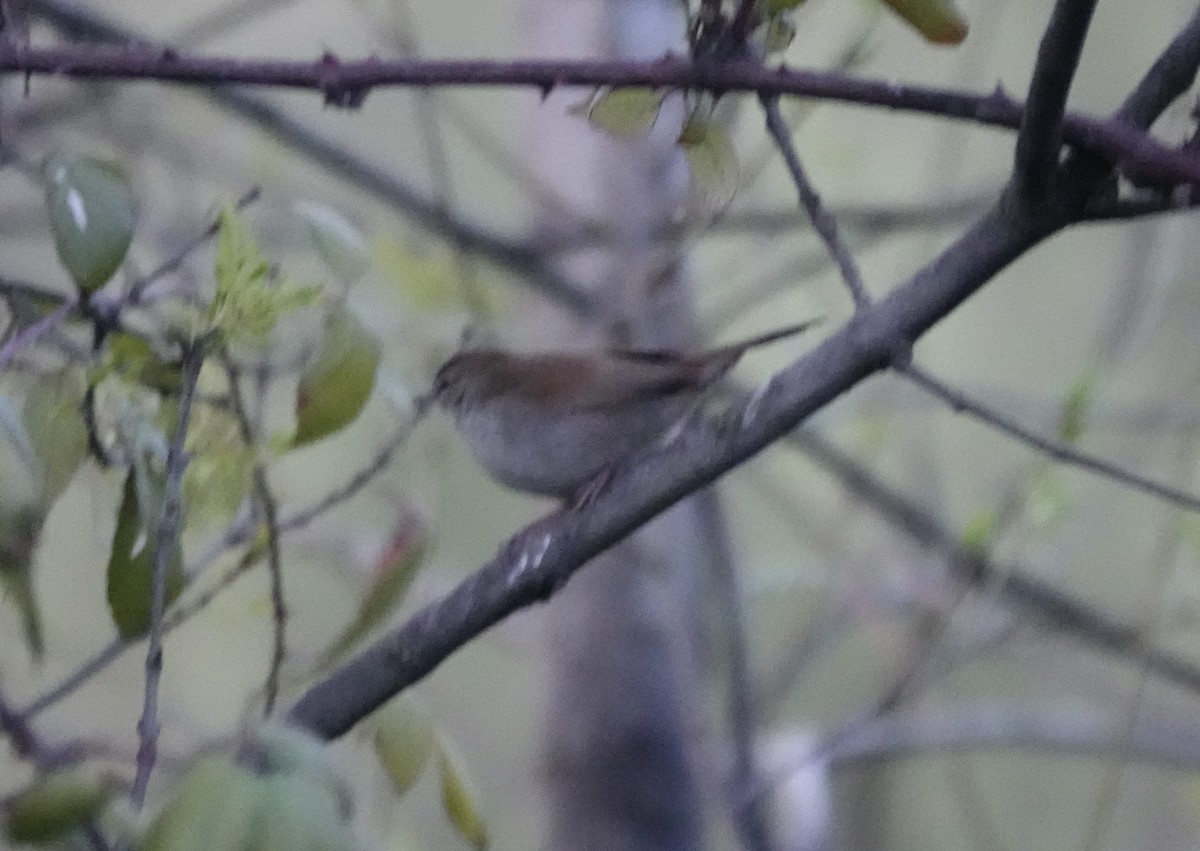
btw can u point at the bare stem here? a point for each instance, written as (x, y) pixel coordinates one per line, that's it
(166, 541)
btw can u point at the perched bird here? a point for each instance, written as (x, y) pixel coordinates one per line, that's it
(547, 423)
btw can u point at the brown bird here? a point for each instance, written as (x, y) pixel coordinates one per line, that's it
(547, 423)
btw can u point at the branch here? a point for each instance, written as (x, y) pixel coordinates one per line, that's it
(540, 558)
(346, 83)
(269, 510)
(429, 214)
(137, 289)
(235, 536)
(1039, 141)
(536, 561)
(1029, 596)
(1071, 730)
(166, 539)
(1055, 449)
(749, 813)
(822, 220)
(32, 333)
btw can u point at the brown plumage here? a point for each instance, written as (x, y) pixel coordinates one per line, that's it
(547, 422)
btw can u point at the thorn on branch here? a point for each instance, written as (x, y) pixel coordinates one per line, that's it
(336, 90)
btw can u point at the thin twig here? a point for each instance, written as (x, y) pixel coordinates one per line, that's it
(1055, 449)
(138, 288)
(167, 535)
(269, 509)
(749, 814)
(30, 334)
(822, 220)
(15, 725)
(238, 534)
(1039, 141)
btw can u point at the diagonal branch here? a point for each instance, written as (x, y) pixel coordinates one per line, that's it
(1055, 449)
(539, 559)
(823, 221)
(1029, 597)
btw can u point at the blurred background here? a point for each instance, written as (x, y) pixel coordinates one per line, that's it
(843, 551)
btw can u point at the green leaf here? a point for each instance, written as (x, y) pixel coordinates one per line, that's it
(778, 33)
(15, 432)
(92, 216)
(712, 160)
(459, 802)
(137, 361)
(429, 280)
(1046, 500)
(297, 814)
(404, 740)
(131, 563)
(980, 532)
(1077, 405)
(249, 301)
(54, 421)
(625, 112)
(20, 529)
(394, 574)
(774, 7)
(288, 750)
(214, 808)
(341, 245)
(55, 806)
(937, 20)
(221, 467)
(335, 388)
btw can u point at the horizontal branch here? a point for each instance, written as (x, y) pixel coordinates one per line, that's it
(347, 83)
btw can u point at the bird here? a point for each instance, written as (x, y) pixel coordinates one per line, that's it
(547, 423)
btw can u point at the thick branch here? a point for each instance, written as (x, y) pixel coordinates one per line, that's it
(545, 555)
(1040, 139)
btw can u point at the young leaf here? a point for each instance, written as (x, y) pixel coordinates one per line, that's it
(394, 574)
(626, 112)
(135, 359)
(54, 421)
(778, 33)
(404, 740)
(712, 161)
(459, 802)
(980, 532)
(131, 563)
(341, 245)
(938, 20)
(92, 217)
(336, 386)
(1073, 418)
(429, 280)
(249, 302)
